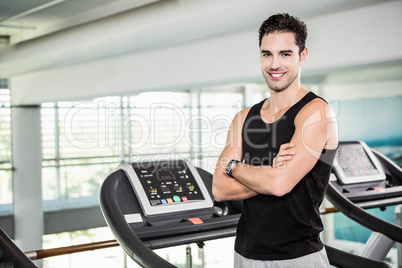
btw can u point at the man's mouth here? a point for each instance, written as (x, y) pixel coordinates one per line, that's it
(276, 75)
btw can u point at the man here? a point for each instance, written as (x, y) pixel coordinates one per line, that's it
(278, 158)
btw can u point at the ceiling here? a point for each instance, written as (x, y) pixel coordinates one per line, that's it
(120, 43)
(21, 20)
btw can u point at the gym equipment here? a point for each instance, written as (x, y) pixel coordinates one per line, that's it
(139, 230)
(355, 164)
(364, 178)
(167, 187)
(10, 255)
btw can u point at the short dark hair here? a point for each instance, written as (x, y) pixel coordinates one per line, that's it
(284, 23)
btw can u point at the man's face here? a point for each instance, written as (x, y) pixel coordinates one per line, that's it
(280, 60)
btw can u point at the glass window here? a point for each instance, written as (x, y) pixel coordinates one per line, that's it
(83, 142)
(79, 150)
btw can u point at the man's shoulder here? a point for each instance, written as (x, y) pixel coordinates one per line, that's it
(318, 117)
(315, 104)
(316, 107)
(245, 111)
(242, 115)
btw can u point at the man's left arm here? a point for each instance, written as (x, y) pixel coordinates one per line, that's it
(315, 129)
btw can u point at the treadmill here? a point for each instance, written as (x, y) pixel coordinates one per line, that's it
(11, 255)
(165, 203)
(364, 178)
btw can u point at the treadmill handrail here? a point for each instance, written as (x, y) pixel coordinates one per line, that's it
(389, 165)
(340, 258)
(131, 244)
(361, 216)
(11, 253)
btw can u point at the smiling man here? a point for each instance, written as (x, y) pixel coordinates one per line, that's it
(280, 222)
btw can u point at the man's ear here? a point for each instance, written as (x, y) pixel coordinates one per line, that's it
(303, 55)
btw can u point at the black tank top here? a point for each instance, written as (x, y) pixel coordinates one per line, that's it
(278, 228)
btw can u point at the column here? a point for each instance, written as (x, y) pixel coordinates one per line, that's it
(27, 181)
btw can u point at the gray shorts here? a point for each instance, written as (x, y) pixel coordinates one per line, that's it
(314, 260)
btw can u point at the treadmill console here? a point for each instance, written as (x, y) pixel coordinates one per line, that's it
(355, 163)
(167, 186)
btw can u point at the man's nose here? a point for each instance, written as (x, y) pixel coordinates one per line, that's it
(276, 63)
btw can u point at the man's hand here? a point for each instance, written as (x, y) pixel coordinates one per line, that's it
(285, 154)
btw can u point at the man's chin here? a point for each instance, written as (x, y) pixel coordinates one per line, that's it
(277, 89)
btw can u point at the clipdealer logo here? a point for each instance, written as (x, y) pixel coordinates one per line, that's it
(163, 126)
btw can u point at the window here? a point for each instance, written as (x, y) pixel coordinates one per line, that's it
(83, 142)
(76, 155)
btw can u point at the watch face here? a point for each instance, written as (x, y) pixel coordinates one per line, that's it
(228, 167)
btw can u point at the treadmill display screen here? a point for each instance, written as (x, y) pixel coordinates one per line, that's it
(354, 161)
(167, 182)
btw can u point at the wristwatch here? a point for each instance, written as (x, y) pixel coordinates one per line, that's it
(230, 167)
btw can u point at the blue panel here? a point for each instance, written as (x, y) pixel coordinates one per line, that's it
(376, 121)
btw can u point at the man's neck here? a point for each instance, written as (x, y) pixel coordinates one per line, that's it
(285, 98)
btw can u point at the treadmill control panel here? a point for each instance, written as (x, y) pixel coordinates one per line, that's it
(355, 163)
(168, 183)
(167, 186)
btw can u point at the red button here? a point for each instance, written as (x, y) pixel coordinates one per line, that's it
(196, 220)
(379, 189)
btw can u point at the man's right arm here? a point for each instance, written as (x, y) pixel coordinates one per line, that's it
(223, 186)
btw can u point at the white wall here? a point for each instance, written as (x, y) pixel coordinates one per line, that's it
(356, 37)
